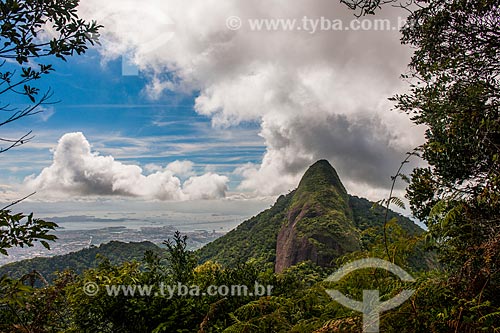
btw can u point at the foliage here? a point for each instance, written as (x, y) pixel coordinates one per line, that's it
(299, 302)
(34, 309)
(115, 252)
(455, 93)
(29, 30)
(21, 230)
(367, 215)
(24, 42)
(33, 29)
(253, 239)
(325, 209)
(181, 262)
(159, 312)
(457, 96)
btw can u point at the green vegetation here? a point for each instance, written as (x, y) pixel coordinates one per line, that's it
(319, 216)
(298, 303)
(254, 239)
(324, 214)
(455, 93)
(21, 230)
(116, 252)
(366, 215)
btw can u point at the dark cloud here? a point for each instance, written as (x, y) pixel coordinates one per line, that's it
(316, 95)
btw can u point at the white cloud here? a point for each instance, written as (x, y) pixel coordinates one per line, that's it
(321, 95)
(46, 113)
(152, 167)
(181, 168)
(207, 186)
(7, 194)
(78, 171)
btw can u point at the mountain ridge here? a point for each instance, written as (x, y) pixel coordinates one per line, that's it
(288, 232)
(318, 221)
(319, 224)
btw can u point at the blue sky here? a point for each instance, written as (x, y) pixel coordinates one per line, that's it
(118, 118)
(216, 113)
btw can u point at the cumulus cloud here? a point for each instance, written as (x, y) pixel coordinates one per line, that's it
(321, 95)
(7, 193)
(181, 168)
(78, 171)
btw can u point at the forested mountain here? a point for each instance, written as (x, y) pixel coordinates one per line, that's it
(116, 252)
(318, 221)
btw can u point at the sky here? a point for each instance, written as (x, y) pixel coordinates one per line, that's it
(188, 101)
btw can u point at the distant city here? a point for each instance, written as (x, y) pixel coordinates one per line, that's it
(71, 240)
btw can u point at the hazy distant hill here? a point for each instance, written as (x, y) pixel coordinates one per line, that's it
(318, 221)
(116, 252)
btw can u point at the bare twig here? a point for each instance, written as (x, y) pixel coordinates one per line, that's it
(17, 142)
(389, 200)
(17, 201)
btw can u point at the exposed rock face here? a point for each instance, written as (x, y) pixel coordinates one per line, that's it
(319, 226)
(290, 249)
(318, 221)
